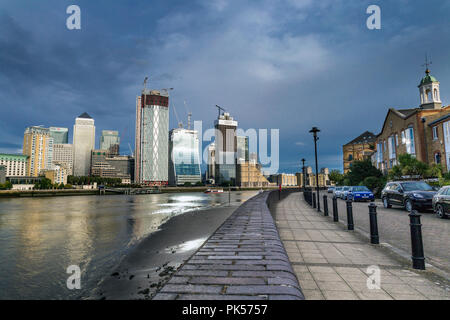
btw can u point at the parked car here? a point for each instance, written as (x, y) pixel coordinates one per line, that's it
(330, 189)
(344, 192)
(360, 193)
(441, 203)
(337, 192)
(408, 194)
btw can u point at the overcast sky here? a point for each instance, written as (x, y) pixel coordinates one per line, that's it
(281, 64)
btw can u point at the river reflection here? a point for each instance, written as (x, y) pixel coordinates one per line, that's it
(41, 237)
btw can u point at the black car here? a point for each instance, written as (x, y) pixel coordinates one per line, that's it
(411, 195)
(441, 203)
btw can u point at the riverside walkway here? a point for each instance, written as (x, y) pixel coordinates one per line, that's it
(332, 263)
(243, 260)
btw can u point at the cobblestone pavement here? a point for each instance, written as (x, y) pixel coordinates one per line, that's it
(393, 225)
(331, 262)
(243, 260)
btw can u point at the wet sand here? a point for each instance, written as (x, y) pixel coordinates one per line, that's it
(150, 265)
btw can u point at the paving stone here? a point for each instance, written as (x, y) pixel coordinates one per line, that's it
(179, 288)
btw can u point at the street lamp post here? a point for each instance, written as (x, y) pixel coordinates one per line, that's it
(314, 131)
(304, 174)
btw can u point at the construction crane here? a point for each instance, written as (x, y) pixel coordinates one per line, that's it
(180, 123)
(166, 90)
(145, 83)
(189, 115)
(131, 150)
(220, 109)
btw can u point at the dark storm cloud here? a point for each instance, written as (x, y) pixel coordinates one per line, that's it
(289, 64)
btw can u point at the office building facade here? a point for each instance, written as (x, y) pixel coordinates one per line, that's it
(152, 138)
(59, 135)
(38, 146)
(226, 148)
(63, 155)
(15, 165)
(184, 157)
(110, 141)
(83, 144)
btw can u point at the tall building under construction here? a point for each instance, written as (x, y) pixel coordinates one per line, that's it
(152, 138)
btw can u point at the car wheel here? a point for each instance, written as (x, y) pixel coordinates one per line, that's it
(440, 211)
(386, 203)
(408, 205)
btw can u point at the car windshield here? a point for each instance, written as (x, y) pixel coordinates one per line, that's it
(416, 186)
(360, 189)
(346, 188)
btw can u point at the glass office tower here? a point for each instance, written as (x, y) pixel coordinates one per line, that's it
(184, 157)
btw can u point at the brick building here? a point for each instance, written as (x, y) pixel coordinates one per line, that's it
(360, 148)
(422, 132)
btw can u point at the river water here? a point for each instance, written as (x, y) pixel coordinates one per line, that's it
(41, 237)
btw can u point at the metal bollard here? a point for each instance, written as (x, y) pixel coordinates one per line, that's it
(335, 210)
(314, 200)
(350, 225)
(374, 238)
(325, 206)
(318, 202)
(418, 257)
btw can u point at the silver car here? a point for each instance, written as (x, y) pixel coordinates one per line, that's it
(344, 193)
(337, 192)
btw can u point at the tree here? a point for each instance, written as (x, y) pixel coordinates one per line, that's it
(360, 170)
(410, 166)
(188, 184)
(336, 176)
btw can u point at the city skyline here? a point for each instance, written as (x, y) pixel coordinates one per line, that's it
(295, 62)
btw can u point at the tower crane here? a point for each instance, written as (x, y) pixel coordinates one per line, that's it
(220, 109)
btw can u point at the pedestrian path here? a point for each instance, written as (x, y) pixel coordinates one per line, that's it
(331, 263)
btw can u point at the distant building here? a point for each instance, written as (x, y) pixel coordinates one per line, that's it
(152, 138)
(120, 167)
(83, 144)
(63, 155)
(184, 157)
(110, 141)
(249, 175)
(2, 174)
(57, 175)
(16, 165)
(360, 148)
(59, 135)
(285, 179)
(242, 149)
(211, 165)
(422, 132)
(310, 178)
(226, 148)
(24, 183)
(38, 146)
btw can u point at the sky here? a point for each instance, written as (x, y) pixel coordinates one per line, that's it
(273, 64)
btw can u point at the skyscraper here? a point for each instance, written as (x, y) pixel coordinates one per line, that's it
(226, 147)
(83, 144)
(152, 138)
(59, 135)
(110, 141)
(242, 148)
(38, 146)
(184, 158)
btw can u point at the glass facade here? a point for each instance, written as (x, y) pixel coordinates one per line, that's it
(184, 157)
(59, 135)
(110, 141)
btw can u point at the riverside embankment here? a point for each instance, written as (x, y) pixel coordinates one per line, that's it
(243, 260)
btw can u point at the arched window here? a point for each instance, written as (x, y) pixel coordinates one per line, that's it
(437, 158)
(435, 94)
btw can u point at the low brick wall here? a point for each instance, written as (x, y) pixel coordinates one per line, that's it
(243, 260)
